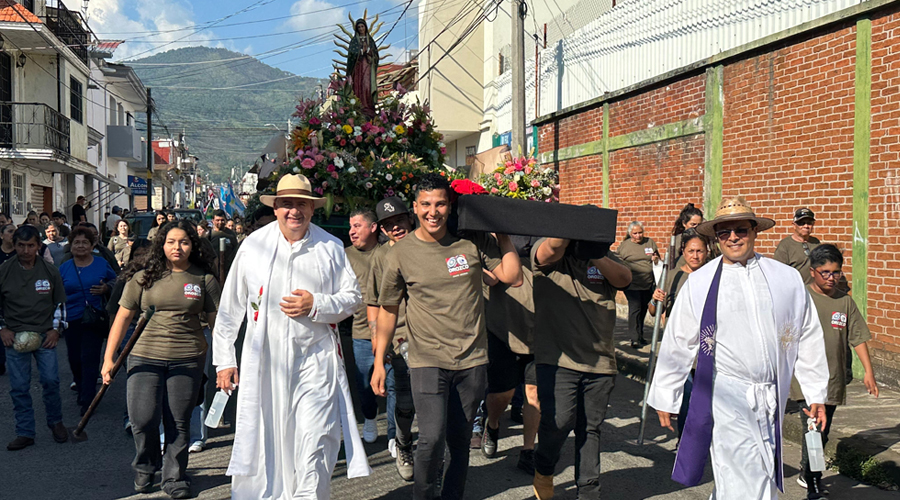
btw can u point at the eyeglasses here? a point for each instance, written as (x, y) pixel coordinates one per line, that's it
(740, 232)
(828, 274)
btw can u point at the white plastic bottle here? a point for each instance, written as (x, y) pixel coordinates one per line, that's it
(814, 448)
(216, 410)
(403, 347)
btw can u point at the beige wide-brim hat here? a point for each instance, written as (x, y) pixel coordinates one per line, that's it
(292, 186)
(733, 209)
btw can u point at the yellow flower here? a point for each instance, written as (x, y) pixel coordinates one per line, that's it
(347, 129)
(399, 130)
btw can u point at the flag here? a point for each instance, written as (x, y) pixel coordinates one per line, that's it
(229, 202)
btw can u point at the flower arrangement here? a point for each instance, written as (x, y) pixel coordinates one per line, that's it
(524, 179)
(354, 160)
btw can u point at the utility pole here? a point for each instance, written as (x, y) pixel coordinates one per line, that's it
(149, 151)
(518, 78)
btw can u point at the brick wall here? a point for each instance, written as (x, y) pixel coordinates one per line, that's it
(788, 142)
(884, 195)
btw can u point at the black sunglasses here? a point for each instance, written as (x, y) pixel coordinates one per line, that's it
(740, 232)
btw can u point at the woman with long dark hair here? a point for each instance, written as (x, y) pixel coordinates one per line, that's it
(87, 281)
(169, 358)
(7, 248)
(121, 242)
(158, 222)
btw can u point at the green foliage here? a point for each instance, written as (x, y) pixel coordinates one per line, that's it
(861, 466)
(224, 128)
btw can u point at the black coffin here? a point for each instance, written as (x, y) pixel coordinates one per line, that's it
(534, 218)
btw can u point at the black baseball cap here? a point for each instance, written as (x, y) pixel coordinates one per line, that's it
(389, 207)
(804, 213)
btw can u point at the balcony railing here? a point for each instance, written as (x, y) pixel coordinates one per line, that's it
(29, 125)
(69, 27)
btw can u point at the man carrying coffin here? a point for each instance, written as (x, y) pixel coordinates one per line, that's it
(293, 282)
(750, 323)
(439, 274)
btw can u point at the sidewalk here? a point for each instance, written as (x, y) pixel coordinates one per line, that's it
(865, 427)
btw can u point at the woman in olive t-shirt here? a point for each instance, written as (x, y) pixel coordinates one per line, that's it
(639, 254)
(169, 357)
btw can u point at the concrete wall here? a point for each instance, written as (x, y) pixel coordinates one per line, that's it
(786, 124)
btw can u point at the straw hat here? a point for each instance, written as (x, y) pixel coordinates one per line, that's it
(732, 209)
(292, 186)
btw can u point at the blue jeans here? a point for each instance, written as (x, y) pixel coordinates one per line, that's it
(362, 353)
(19, 368)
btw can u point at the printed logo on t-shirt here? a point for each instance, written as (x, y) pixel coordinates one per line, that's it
(192, 291)
(42, 286)
(648, 251)
(838, 319)
(594, 275)
(458, 265)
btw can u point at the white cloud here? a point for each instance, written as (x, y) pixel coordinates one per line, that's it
(108, 19)
(306, 14)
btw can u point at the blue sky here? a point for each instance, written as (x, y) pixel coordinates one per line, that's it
(292, 35)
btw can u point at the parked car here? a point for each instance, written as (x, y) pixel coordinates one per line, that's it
(141, 222)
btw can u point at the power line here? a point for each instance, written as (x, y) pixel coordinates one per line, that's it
(466, 32)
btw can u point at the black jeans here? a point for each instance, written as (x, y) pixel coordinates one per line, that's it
(83, 346)
(446, 401)
(404, 409)
(572, 400)
(149, 380)
(804, 457)
(638, 302)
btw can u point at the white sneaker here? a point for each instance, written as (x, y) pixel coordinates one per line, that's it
(801, 481)
(196, 447)
(392, 447)
(370, 431)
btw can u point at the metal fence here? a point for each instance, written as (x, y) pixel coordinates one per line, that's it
(33, 126)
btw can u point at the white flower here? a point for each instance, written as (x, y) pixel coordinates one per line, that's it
(389, 177)
(441, 145)
(392, 135)
(546, 191)
(351, 170)
(339, 162)
(518, 177)
(368, 185)
(296, 170)
(352, 102)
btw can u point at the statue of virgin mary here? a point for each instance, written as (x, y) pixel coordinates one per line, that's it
(362, 67)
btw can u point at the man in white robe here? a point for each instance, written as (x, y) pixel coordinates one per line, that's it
(294, 284)
(756, 328)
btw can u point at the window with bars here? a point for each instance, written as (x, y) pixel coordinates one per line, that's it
(28, 4)
(18, 194)
(76, 100)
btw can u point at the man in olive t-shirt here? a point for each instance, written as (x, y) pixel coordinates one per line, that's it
(575, 313)
(440, 276)
(794, 250)
(363, 243)
(32, 299)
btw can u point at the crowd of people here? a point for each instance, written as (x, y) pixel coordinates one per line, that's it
(444, 325)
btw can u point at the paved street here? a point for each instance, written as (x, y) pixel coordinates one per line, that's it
(99, 469)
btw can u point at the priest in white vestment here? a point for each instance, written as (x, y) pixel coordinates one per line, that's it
(293, 283)
(750, 324)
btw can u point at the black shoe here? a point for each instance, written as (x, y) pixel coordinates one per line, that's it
(635, 344)
(19, 443)
(515, 414)
(60, 434)
(489, 441)
(143, 482)
(814, 488)
(526, 461)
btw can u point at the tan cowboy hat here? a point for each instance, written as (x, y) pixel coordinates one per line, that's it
(732, 209)
(292, 186)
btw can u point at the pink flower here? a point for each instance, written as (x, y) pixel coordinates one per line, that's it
(335, 175)
(535, 183)
(330, 168)
(528, 170)
(497, 176)
(320, 191)
(343, 142)
(332, 155)
(308, 163)
(494, 190)
(513, 186)
(509, 164)
(423, 127)
(402, 141)
(331, 128)
(389, 140)
(359, 138)
(509, 170)
(519, 167)
(319, 158)
(443, 151)
(324, 184)
(377, 141)
(314, 121)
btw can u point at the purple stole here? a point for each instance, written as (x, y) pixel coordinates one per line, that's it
(693, 450)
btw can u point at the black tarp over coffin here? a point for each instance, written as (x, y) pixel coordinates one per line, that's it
(534, 218)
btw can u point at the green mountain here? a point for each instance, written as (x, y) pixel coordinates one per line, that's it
(224, 128)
